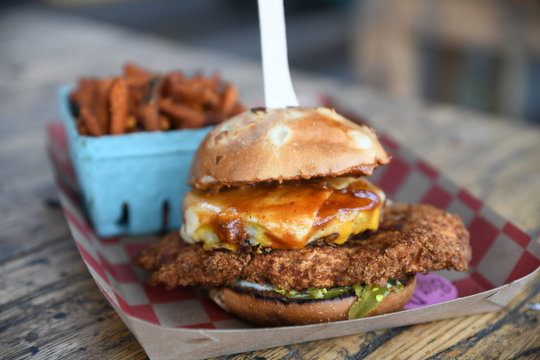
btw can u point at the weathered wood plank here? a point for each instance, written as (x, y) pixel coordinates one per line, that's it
(52, 308)
(31, 274)
(73, 320)
(30, 227)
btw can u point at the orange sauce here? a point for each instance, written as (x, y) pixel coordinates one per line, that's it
(303, 205)
(345, 200)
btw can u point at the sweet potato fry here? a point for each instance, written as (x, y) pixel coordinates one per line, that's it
(90, 121)
(102, 102)
(81, 128)
(164, 123)
(150, 106)
(85, 91)
(228, 100)
(182, 115)
(150, 117)
(191, 93)
(131, 122)
(136, 76)
(211, 99)
(140, 100)
(134, 71)
(194, 121)
(136, 95)
(119, 106)
(170, 82)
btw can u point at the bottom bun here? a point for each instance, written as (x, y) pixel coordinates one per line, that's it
(274, 312)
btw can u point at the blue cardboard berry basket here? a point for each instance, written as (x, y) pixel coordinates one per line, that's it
(133, 183)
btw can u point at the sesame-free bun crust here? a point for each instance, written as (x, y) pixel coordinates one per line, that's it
(285, 144)
(271, 312)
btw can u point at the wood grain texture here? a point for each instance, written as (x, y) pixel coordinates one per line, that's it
(49, 305)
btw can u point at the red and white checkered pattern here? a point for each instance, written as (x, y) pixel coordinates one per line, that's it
(406, 179)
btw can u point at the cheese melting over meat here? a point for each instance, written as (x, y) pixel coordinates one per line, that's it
(282, 216)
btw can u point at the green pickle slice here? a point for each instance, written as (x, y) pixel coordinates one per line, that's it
(368, 297)
(315, 293)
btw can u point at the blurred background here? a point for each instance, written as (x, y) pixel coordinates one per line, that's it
(482, 54)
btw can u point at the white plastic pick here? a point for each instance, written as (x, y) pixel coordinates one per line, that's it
(278, 89)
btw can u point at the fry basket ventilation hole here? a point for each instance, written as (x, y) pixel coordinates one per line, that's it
(124, 217)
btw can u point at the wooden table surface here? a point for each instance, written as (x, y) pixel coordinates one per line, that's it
(51, 308)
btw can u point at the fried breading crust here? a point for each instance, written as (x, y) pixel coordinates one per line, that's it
(411, 239)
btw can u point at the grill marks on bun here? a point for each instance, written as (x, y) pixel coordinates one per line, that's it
(285, 144)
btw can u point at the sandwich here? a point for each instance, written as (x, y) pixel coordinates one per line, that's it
(283, 227)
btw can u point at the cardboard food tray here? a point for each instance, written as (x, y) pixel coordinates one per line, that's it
(184, 323)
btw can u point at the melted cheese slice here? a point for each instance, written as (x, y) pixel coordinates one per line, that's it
(282, 216)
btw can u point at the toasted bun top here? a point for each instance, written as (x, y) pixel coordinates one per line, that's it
(285, 144)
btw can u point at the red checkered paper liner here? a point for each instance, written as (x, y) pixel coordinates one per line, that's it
(184, 321)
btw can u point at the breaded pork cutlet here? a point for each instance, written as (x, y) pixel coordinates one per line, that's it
(411, 239)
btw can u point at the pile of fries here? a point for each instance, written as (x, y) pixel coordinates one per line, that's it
(143, 101)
